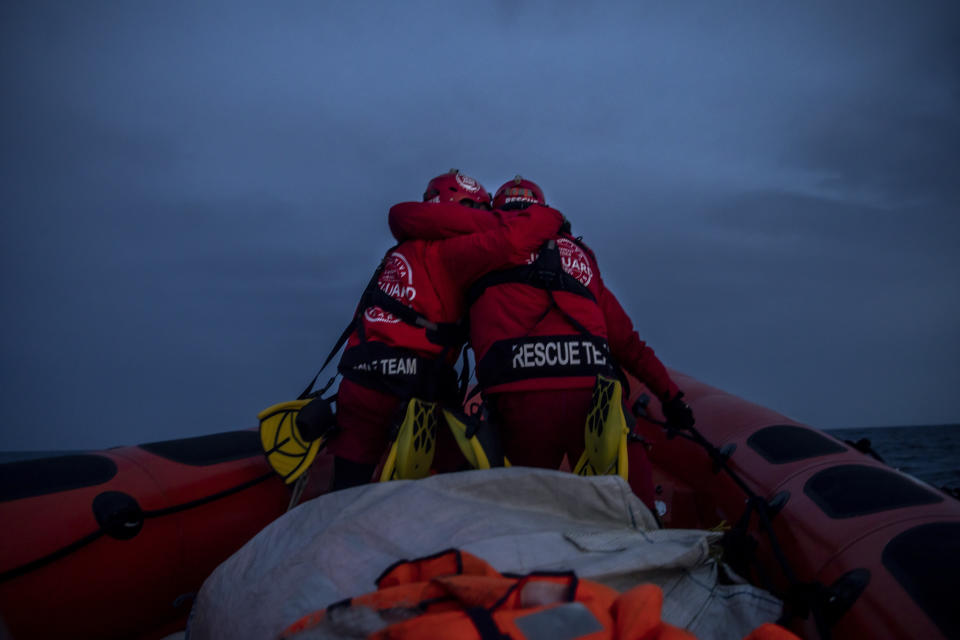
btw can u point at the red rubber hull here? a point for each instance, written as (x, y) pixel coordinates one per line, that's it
(62, 575)
(841, 514)
(843, 511)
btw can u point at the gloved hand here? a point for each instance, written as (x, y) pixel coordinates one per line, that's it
(678, 413)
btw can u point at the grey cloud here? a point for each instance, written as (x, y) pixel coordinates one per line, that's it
(890, 155)
(194, 194)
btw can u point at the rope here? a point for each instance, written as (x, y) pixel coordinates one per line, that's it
(806, 592)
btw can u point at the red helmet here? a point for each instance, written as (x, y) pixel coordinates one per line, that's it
(518, 193)
(454, 186)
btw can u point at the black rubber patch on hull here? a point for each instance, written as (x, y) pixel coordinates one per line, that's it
(925, 561)
(851, 490)
(781, 444)
(207, 450)
(31, 478)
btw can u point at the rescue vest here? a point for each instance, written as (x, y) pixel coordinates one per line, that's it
(527, 357)
(395, 370)
(454, 594)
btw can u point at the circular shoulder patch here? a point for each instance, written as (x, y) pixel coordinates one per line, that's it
(575, 261)
(396, 280)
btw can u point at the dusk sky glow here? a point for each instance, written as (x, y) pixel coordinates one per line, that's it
(194, 194)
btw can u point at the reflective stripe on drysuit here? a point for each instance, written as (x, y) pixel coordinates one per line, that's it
(457, 595)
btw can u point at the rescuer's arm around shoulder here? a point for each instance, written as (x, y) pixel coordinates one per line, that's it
(512, 243)
(635, 356)
(439, 220)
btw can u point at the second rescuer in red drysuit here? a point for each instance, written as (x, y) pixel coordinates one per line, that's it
(542, 332)
(406, 337)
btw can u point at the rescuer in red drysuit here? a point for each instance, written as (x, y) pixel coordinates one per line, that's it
(539, 347)
(406, 337)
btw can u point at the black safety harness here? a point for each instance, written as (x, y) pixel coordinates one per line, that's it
(394, 370)
(546, 272)
(526, 357)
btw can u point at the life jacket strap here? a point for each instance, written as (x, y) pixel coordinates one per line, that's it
(483, 622)
(353, 324)
(449, 334)
(546, 272)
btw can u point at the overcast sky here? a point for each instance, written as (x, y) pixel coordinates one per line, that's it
(194, 193)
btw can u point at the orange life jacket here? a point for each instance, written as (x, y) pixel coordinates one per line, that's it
(454, 594)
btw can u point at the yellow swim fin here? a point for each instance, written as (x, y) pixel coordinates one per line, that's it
(605, 433)
(411, 453)
(288, 453)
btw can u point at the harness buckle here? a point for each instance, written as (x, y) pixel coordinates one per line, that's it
(547, 267)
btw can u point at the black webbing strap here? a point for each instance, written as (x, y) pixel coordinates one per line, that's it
(483, 622)
(546, 272)
(376, 297)
(449, 334)
(566, 316)
(336, 348)
(353, 324)
(615, 368)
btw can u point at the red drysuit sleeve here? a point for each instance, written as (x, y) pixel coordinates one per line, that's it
(467, 257)
(439, 220)
(630, 351)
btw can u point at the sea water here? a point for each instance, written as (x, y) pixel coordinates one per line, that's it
(930, 453)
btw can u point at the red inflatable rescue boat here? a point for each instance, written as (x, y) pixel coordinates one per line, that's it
(859, 550)
(114, 544)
